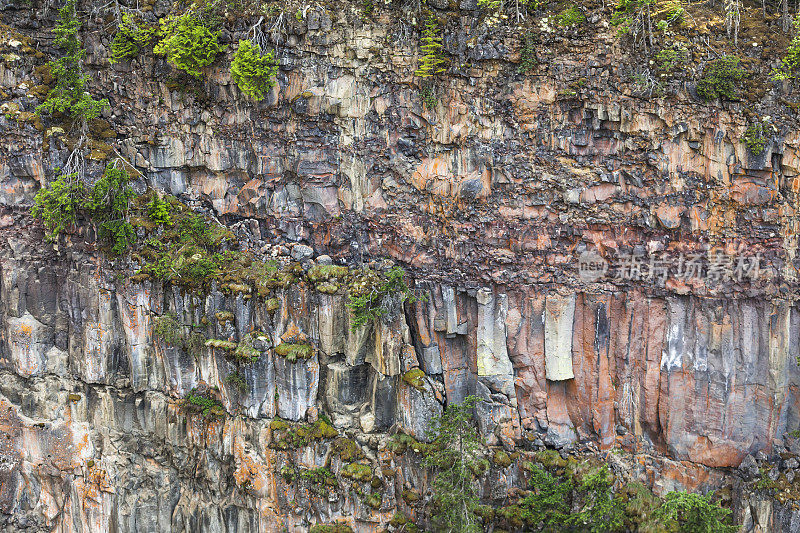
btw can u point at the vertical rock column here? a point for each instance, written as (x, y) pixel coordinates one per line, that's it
(559, 314)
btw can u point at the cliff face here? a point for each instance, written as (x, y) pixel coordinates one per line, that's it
(488, 198)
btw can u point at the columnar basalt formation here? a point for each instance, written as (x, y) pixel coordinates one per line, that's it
(487, 198)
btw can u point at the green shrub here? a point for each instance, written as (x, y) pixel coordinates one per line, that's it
(158, 211)
(791, 61)
(432, 61)
(367, 294)
(571, 16)
(547, 504)
(253, 71)
(188, 43)
(69, 95)
(689, 513)
(600, 511)
(203, 404)
(59, 204)
(108, 204)
(755, 139)
(721, 78)
(669, 58)
(167, 328)
(131, 38)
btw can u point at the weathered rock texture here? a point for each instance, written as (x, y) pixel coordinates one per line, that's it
(487, 199)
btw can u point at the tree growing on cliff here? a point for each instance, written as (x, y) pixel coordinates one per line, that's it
(371, 293)
(253, 70)
(69, 95)
(131, 38)
(432, 61)
(634, 18)
(59, 204)
(600, 511)
(188, 43)
(693, 513)
(454, 454)
(106, 203)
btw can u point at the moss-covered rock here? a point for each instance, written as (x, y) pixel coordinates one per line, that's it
(347, 450)
(411, 496)
(294, 351)
(319, 273)
(331, 528)
(416, 378)
(374, 500)
(357, 472)
(501, 459)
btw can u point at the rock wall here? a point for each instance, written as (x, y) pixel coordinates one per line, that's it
(488, 199)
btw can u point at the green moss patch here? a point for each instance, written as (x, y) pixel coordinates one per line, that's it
(292, 352)
(357, 472)
(204, 404)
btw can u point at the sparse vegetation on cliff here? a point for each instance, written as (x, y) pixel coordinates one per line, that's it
(203, 403)
(527, 55)
(570, 16)
(294, 351)
(790, 63)
(755, 138)
(167, 328)
(369, 291)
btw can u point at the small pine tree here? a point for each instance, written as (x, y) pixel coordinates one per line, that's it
(108, 203)
(721, 78)
(69, 95)
(600, 510)
(59, 204)
(690, 513)
(432, 61)
(253, 71)
(130, 39)
(454, 454)
(547, 504)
